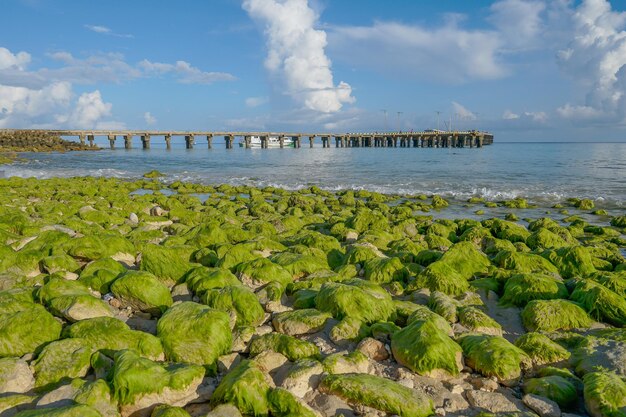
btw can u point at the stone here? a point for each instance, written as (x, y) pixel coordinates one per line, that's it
(226, 362)
(303, 377)
(373, 349)
(224, 410)
(269, 361)
(332, 405)
(542, 406)
(15, 376)
(493, 402)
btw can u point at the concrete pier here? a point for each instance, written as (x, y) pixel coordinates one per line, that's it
(414, 139)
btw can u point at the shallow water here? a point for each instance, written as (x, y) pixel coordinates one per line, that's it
(544, 173)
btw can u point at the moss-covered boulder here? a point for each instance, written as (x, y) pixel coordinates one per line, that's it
(600, 354)
(555, 388)
(169, 411)
(61, 361)
(385, 270)
(522, 288)
(299, 322)
(349, 330)
(201, 279)
(25, 328)
(605, 394)
(299, 265)
(283, 403)
(476, 320)
(439, 276)
(522, 262)
(544, 238)
(425, 348)
(140, 384)
(466, 259)
(289, 346)
(355, 298)
(541, 349)
(551, 315)
(246, 388)
(237, 300)
(194, 333)
(494, 356)
(142, 291)
(572, 261)
(76, 410)
(261, 271)
(168, 264)
(98, 275)
(379, 393)
(601, 303)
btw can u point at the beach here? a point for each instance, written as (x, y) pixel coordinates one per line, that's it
(160, 297)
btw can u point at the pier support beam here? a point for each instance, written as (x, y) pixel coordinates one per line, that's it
(90, 138)
(247, 140)
(189, 141)
(281, 142)
(128, 141)
(168, 142)
(325, 143)
(145, 141)
(209, 141)
(311, 139)
(263, 142)
(479, 142)
(229, 139)
(81, 138)
(112, 141)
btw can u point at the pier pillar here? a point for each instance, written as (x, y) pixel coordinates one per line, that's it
(168, 141)
(247, 140)
(337, 140)
(479, 142)
(298, 141)
(145, 141)
(90, 138)
(128, 141)
(112, 141)
(395, 141)
(189, 141)
(437, 140)
(281, 141)
(81, 138)
(209, 141)
(263, 142)
(229, 139)
(311, 139)
(342, 140)
(360, 142)
(471, 141)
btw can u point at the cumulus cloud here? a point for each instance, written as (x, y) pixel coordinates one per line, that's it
(537, 116)
(509, 115)
(149, 118)
(17, 61)
(462, 112)
(88, 111)
(296, 54)
(519, 22)
(596, 59)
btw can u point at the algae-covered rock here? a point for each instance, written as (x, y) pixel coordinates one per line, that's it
(75, 308)
(201, 279)
(299, 265)
(97, 395)
(466, 259)
(439, 276)
(349, 330)
(261, 271)
(283, 403)
(140, 384)
(194, 333)
(107, 333)
(572, 261)
(26, 329)
(443, 305)
(494, 356)
(521, 262)
(357, 299)
(522, 288)
(169, 411)
(169, 264)
(600, 302)
(555, 388)
(62, 360)
(142, 291)
(15, 376)
(551, 315)
(605, 394)
(425, 348)
(478, 321)
(541, 349)
(379, 393)
(289, 346)
(98, 275)
(544, 238)
(600, 354)
(246, 388)
(384, 270)
(237, 300)
(77, 410)
(299, 322)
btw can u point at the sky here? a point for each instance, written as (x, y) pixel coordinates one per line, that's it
(526, 70)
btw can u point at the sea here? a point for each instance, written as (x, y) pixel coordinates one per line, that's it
(543, 173)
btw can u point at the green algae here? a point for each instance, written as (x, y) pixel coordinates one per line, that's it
(142, 291)
(605, 394)
(555, 388)
(238, 300)
(289, 346)
(541, 349)
(600, 302)
(523, 288)
(358, 299)
(246, 388)
(26, 329)
(550, 315)
(494, 356)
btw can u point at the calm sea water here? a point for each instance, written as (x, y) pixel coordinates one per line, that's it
(544, 173)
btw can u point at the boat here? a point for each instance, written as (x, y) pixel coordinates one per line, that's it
(272, 142)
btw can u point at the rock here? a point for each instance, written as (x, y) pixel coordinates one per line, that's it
(373, 349)
(554, 387)
(426, 349)
(245, 387)
(298, 322)
(605, 394)
(15, 376)
(258, 272)
(349, 330)
(493, 402)
(442, 277)
(62, 360)
(70, 410)
(542, 406)
(379, 393)
(289, 346)
(142, 291)
(303, 377)
(226, 362)
(224, 410)
(11, 404)
(236, 300)
(140, 384)
(522, 288)
(194, 333)
(61, 396)
(168, 264)
(169, 411)
(133, 218)
(357, 299)
(601, 303)
(181, 292)
(541, 349)
(484, 384)
(354, 362)
(24, 328)
(142, 324)
(269, 361)
(283, 403)
(551, 315)
(332, 405)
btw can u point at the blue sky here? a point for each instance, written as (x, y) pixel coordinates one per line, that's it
(524, 69)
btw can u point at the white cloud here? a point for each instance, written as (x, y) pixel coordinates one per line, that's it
(149, 118)
(518, 22)
(89, 110)
(595, 58)
(462, 112)
(256, 101)
(107, 31)
(184, 72)
(538, 116)
(509, 115)
(16, 61)
(296, 54)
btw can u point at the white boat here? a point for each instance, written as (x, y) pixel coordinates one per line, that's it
(272, 142)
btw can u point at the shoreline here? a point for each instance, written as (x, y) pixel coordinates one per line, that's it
(352, 300)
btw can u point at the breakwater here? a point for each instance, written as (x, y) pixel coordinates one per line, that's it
(429, 139)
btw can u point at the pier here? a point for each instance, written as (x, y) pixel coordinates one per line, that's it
(424, 139)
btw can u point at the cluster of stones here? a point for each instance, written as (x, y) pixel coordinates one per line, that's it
(36, 141)
(266, 302)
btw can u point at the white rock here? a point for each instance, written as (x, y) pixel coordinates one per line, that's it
(542, 406)
(15, 376)
(493, 402)
(133, 218)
